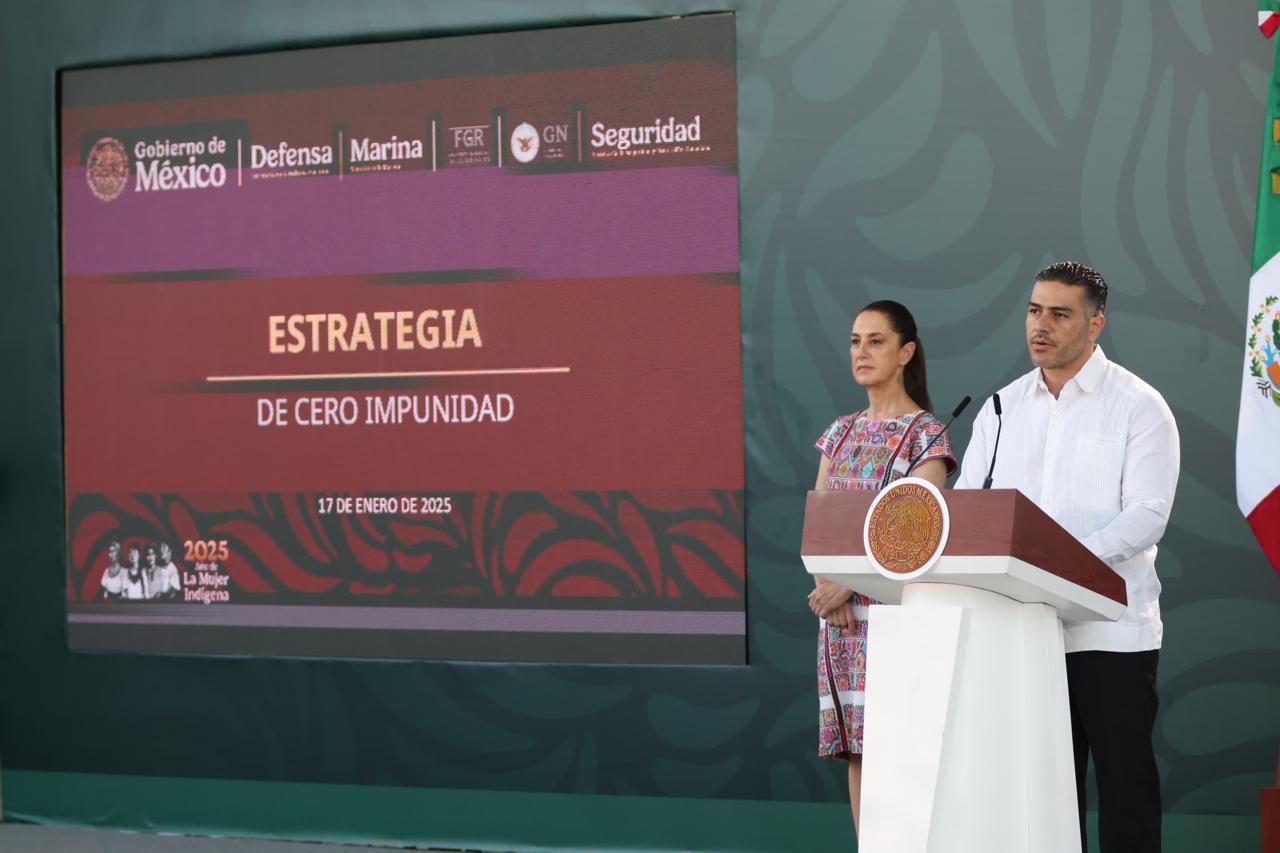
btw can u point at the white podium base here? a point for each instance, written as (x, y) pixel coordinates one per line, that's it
(967, 734)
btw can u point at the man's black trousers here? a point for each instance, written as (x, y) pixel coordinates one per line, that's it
(1113, 713)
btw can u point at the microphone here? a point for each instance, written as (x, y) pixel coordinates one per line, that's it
(995, 404)
(955, 413)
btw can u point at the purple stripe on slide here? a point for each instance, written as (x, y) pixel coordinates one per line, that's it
(424, 619)
(623, 222)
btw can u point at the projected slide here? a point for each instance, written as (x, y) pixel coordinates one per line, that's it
(412, 350)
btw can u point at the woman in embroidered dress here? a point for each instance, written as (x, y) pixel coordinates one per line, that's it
(887, 360)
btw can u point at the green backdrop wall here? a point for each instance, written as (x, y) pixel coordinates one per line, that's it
(938, 152)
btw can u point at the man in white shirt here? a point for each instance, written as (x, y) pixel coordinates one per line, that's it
(1097, 449)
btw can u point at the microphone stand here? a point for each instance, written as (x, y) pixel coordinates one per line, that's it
(995, 404)
(954, 414)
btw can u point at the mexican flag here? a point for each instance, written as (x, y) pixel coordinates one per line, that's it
(1268, 17)
(1257, 459)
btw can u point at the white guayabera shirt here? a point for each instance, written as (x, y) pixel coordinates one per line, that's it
(1102, 460)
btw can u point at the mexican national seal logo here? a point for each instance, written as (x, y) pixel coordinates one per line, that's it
(107, 169)
(524, 142)
(906, 529)
(1264, 348)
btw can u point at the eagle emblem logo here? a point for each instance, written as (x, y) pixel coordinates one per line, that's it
(906, 529)
(1264, 348)
(524, 142)
(106, 169)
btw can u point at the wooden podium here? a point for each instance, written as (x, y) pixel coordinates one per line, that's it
(967, 731)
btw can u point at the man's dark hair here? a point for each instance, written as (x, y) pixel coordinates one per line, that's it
(1079, 275)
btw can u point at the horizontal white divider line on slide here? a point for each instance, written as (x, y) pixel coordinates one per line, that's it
(394, 374)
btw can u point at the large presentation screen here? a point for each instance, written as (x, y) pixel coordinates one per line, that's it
(423, 349)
